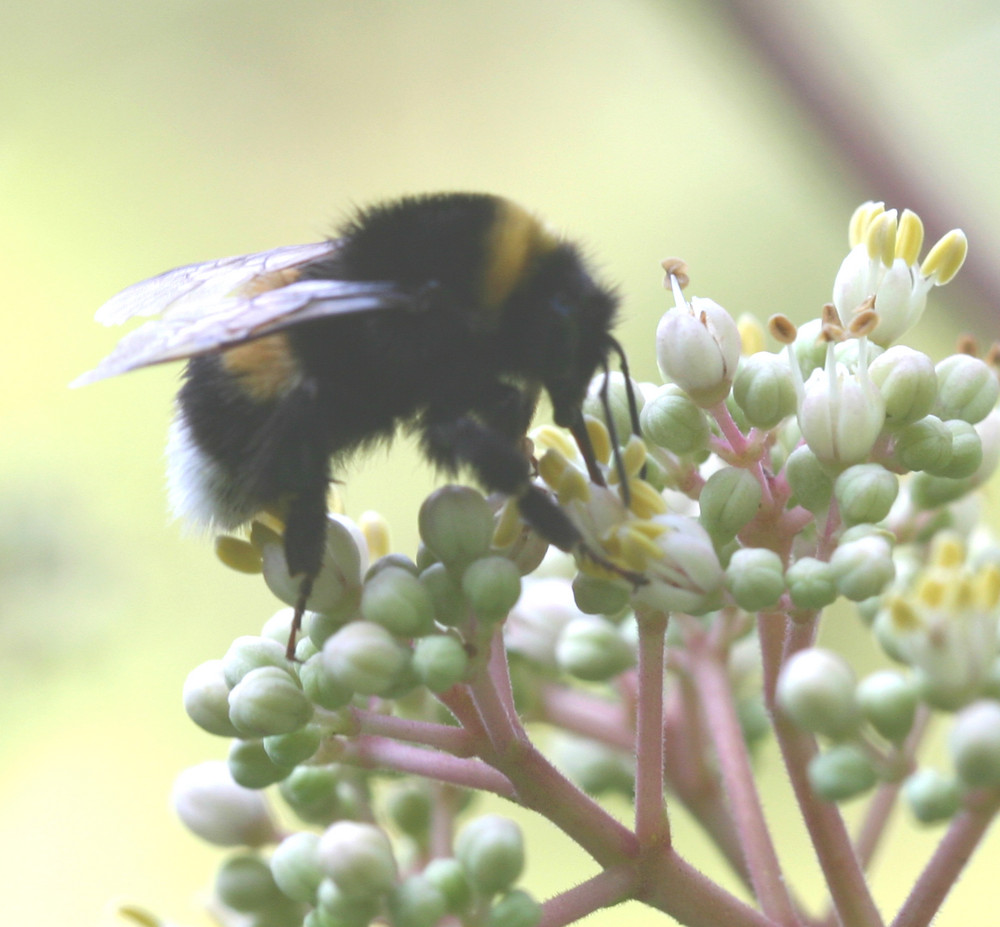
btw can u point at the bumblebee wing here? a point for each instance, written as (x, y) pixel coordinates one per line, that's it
(187, 330)
(191, 288)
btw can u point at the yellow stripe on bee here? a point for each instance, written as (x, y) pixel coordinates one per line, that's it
(517, 238)
(265, 367)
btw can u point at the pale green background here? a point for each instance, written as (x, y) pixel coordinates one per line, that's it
(135, 137)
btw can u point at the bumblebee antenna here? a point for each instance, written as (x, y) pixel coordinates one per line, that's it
(613, 436)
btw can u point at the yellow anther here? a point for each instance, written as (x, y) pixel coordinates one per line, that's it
(963, 595)
(987, 583)
(133, 914)
(572, 487)
(599, 437)
(634, 455)
(931, 592)
(548, 436)
(904, 617)
(880, 237)
(376, 532)
(637, 549)
(859, 221)
(948, 551)
(909, 237)
(782, 328)
(652, 529)
(237, 554)
(508, 526)
(551, 466)
(646, 501)
(751, 334)
(946, 257)
(677, 268)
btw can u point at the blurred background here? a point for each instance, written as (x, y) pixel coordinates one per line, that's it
(135, 137)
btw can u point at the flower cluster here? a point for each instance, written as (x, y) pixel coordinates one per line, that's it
(764, 488)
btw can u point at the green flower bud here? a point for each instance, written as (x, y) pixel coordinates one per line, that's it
(244, 883)
(249, 653)
(358, 857)
(729, 499)
(975, 744)
(966, 451)
(755, 578)
(931, 795)
(515, 909)
(251, 767)
(594, 767)
(450, 605)
(449, 876)
(337, 589)
(811, 484)
(289, 750)
(311, 792)
(206, 699)
(320, 627)
(865, 493)
(491, 849)
(597, 596)
(211, 805)
(764, 389)
(811, 583)
(440, 661)
(841, 772)
(621, 415)
(365, 657)
(810, 346)
(409, 808)
(417, 902)
(862, 568)
(268, 700)
(671, 420)
(816, 690)
(492, 586)
(321, 686)
(591, 648)
(456, 523)
(343, 909)
(967, 388)
(931, 492)
(295, 866)
(924, 445)
(399, 602)
(907, 382)
(889, 702)
(393, 561)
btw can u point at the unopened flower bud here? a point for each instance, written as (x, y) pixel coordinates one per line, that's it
(515, 909)
(289, 750)
(321, 686)
(811, 583)
(816, 690)
(698, 348)
(595, 767)
(862, 568)
(440, 661)
(729, 499)
(248, 653)
(491, 849)
(889, 702)
(295, 866)
(251, 767)
(841, 772)
(358, 857)
(764, 389)
(865, 493)
(591, 649)
(670, 419)
(966, 450)
(492, 585)
(268, 700)
(206, 699)
(931, 795)
(399, 602)
(416, 902)
(456, 523)
(975, 744)
(810, 482)
(218, 810)
(312, 793)
(338, 908)
(967, 388)
(621, 414)
(450, 605)
(595, 595)
(907, 382)
(755, 578)
(244, 883)
(924, 445)
(365, 658)
(449, 876)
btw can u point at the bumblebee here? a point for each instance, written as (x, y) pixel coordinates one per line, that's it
(444, 314)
